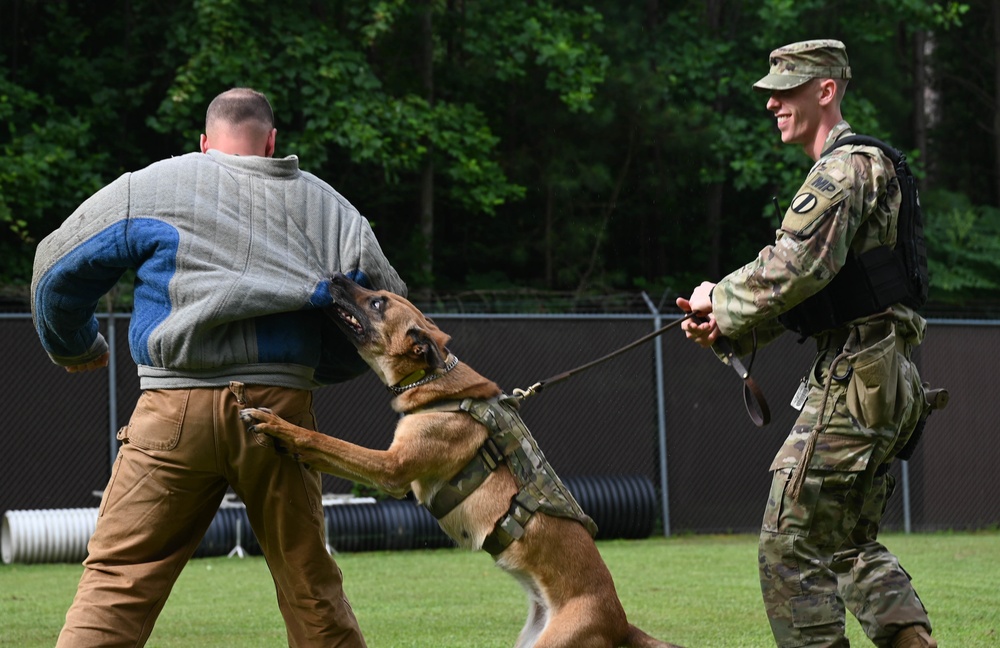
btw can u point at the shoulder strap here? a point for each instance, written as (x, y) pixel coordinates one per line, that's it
(911, 246)
(870, 282)
(439, 406)
(864, 140)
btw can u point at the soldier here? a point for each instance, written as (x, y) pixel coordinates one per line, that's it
(861, 399)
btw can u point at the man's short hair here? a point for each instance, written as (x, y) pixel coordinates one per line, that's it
(241, 107)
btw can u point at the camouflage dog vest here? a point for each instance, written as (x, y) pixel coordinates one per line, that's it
(509, 443)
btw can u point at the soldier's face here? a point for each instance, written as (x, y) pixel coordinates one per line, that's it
(797, 112)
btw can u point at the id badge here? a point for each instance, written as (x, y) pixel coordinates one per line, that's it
(799, 399)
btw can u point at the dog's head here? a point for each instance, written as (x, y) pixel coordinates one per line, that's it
(391, 334)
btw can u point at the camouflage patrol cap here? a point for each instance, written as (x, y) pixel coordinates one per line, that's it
(793, 65)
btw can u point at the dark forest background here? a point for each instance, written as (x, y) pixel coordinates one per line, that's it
(517, 151)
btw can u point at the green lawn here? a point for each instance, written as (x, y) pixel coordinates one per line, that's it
(694, 590)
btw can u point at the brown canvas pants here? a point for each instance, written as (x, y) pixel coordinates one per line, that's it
(182, 450)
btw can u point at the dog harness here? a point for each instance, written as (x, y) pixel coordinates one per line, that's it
(509, 443)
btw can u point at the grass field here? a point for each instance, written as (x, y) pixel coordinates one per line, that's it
(695, 591)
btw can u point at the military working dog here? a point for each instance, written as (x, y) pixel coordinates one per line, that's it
(462, 449)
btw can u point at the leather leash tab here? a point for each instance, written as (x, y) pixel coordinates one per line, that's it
(753, 397)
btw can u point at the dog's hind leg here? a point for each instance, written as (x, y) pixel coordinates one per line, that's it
(533, 627)
(581, 624)
(538, 614)
(638, 639)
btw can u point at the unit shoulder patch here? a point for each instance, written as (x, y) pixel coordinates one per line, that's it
(823, 189)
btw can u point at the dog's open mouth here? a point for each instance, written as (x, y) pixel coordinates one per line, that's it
(349, 320)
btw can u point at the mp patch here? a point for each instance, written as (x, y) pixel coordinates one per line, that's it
(821, 191)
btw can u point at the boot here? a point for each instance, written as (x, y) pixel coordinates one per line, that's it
(914, 636)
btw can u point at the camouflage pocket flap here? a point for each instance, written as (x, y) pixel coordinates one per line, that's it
(872, 392)
(834, 452)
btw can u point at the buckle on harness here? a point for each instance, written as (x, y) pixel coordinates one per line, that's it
(491, 454)
(510, 526)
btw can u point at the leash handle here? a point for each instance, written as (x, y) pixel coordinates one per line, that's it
(753, 396)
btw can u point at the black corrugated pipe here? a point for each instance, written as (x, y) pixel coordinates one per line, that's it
(623, 506)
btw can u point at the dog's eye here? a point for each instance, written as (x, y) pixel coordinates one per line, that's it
(377, 304)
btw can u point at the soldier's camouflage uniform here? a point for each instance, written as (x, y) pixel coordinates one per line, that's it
(818, 546)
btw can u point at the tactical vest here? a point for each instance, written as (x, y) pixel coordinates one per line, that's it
(509, 443)
(874, 280)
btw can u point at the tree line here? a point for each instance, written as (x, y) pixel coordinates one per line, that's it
(552, 147)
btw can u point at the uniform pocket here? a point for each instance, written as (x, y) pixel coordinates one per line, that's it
(874, 389)
(833, 452)
(816, 610)
(157, 420)
(775, 501)
(842, 453)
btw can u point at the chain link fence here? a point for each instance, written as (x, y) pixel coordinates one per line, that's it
(667, 411)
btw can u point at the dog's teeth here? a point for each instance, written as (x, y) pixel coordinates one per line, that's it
(350, 320)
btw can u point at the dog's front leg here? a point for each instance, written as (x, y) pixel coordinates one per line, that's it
(331, 455)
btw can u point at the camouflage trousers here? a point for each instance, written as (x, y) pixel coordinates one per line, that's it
(819, 554)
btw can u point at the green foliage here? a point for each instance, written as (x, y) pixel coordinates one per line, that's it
(963, 246)
(44, 169)
(40, 170)
(335, 100)
(595, 135)
(69, 80)
(363, 490)
(512, 36)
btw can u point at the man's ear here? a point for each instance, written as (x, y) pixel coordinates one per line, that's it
(204, 143)
(422, 346)
(269, 146)
(828, 91)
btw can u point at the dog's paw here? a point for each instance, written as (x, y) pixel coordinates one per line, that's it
(252, 415)
(259, 421)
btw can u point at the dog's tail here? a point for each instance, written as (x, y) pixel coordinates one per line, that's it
(636, 638)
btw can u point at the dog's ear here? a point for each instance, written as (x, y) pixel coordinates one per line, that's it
(423, 346)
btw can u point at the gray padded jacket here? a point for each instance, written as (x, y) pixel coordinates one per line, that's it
(232, 258)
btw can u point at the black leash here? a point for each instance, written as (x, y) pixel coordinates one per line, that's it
(753, 397)
(538, 386)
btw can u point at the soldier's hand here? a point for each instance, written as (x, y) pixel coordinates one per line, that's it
(700, 300)
(701, 330)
